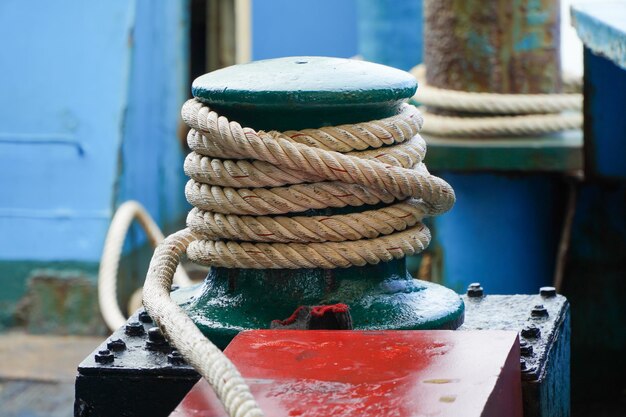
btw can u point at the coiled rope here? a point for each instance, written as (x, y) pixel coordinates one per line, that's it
(242, 184)
(508, 114)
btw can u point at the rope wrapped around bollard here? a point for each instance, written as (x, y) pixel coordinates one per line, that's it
(489, 115)
(244, 182)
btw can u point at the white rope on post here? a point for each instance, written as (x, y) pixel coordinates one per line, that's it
(243, 181)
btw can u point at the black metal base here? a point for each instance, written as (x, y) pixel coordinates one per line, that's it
(141, 376)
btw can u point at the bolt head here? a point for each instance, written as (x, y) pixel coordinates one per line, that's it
(474, 290)
(134, 328)
(531, 332)
(144, 317)
(104, 356)
(175, 358)
(539, 311)
(547, 292)
(525, 349)
(155, 335)
(116, 345)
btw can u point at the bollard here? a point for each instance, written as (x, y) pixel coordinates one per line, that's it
(505, 227)
(297, 93)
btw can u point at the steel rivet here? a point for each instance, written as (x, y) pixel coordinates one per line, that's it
(539, 311)
(175, 358)
(475, 290)
(104, 356)
(134, 328)
(525, 348)
(531, 332)
(547, 292)
(144, 317)
(116, 345)
(156, 340)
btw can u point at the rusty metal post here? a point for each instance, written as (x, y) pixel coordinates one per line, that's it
(499, 46)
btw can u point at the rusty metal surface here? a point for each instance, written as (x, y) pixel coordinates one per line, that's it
(382, 374)
(500, 46)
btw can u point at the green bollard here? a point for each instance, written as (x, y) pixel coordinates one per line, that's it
(298, 93)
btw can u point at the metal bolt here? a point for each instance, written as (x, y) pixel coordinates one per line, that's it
(104, 356)
(531, 332)
(156, 340)
(144, 317)
(134, 328)
(539, 311)
(475, 290)
(547, 292)
(116, 345)
(175, 358)
(526, 369)
(525, 348)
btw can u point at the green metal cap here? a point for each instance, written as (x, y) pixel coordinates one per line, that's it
(304, 92)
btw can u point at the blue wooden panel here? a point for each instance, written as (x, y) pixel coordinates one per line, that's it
(304, 27)
(151, 158)
(88, 118)
(64, 82)
(502, 232)
(602, 28)
(390, 32)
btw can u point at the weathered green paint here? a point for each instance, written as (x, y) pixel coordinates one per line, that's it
(14, 277)
(382, 297)
(558, 152)
(310, 92)
(19, 291)
(62, 303)
(304, 92)
(503, 46)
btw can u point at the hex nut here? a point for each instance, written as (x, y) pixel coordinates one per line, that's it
(116, 345)
(525, 348)
(104, 356)
(144, 317)
(539, 311)
(134, 328)
(475, 290)
(175, 358)
(547, 292)
(531, 332)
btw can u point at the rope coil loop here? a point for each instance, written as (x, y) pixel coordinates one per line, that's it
(240, 176)
(244, 183)
(494, 114)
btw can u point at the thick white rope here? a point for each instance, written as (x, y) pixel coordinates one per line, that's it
(242, 184)
(510, 114)
(109, 262)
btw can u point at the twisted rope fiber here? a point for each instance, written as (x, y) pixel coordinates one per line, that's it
(511, 114)
(307, 171)
(242, 184)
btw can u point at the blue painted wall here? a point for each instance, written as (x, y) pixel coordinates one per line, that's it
(502, 232)
(89, 112)
(304, 27)
(391, 32)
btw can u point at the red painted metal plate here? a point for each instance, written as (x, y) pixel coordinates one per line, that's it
(372, 374)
